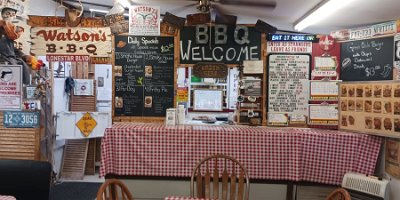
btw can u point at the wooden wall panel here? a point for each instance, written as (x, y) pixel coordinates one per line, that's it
(19, 143)
(84, 103)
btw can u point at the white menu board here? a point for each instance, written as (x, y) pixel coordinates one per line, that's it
(324, 90)
(324, 114)
(288, 85)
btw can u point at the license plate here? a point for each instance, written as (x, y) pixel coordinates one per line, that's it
(21, 119)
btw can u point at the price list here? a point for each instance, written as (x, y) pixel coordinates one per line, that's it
(288, 83)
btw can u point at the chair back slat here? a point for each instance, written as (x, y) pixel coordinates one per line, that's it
(241, 186)
(200, 184)
(207, 180)
(233, 184)
(216, 180)
(232, 174)
(339, 194)
(225, 183)
(113, 189)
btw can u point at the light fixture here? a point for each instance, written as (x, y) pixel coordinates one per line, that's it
(320, 12)
(104, 11)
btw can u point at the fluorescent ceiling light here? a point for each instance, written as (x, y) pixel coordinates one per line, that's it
(124, 3)
(320, 12)
(104, 11)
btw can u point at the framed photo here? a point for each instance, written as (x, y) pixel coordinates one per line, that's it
(208, 100)
(29, 92)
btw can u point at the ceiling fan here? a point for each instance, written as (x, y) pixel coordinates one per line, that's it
(207, 5)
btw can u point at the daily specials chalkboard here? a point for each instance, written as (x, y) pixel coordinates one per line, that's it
(225, 44)
(143, 75)
(367, 60)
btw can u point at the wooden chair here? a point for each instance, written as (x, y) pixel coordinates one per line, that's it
(113, 189)
(339, 194)
(235, 182)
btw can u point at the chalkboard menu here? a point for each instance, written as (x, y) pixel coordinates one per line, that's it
(367, 60)
(225, 44)
(143, 75)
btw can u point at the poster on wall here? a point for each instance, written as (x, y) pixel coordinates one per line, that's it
(144, 20)
(392, 159)
(370, 107)
(10, 87)
(288, 85)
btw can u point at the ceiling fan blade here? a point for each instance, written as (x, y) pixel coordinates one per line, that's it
(269, 4)
(218, 10)
(182, 8)
(221, 16)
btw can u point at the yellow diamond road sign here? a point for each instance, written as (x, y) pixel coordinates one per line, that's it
(86, 124)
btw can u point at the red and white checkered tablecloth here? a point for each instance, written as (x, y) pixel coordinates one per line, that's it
(3, 197)
(293, 154)
(184, 198)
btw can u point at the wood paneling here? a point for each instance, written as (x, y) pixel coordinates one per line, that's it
(19, 143)
(74, 160)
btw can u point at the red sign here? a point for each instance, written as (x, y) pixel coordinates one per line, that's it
(67, 58)
(326, 42)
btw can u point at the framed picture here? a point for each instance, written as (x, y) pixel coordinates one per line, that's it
(208, 100)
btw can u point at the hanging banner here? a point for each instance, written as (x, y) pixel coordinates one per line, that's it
(58, 40)
(10, 87)
(289, 47)
(386, 28)
(144, 20)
